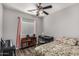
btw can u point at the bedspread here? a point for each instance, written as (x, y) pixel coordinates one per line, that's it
(57, 49)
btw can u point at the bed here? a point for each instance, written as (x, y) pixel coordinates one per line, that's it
(63, 47)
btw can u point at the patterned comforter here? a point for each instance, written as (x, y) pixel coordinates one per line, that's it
(57, 48)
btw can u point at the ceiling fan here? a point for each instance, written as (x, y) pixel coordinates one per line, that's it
(40, 8)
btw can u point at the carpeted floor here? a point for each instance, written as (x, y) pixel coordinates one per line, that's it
(25, 52)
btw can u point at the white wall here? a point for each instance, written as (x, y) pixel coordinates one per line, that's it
(1, 17)
(63, 23)
(10, 23)
(39, 26)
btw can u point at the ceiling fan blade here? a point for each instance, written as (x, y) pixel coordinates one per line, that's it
(32, 10)
(45, 13)
(50, 6)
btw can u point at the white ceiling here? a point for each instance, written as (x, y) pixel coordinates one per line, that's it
(24, 7)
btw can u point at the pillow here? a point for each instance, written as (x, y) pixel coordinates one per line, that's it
(66, 40)
(70, 41)
(59, 39)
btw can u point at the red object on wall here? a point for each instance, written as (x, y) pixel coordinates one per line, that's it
(18, 32)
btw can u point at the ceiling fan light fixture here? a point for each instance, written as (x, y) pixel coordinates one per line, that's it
(40, 9)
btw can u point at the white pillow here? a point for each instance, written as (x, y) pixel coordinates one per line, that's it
(66, 40)
(70, 41)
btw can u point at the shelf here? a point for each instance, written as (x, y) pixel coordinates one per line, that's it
(28, 42)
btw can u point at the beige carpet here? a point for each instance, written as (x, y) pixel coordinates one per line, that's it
(25, 52)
